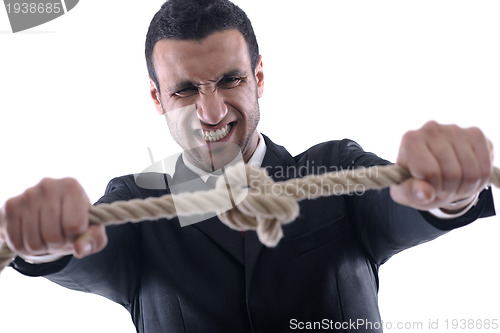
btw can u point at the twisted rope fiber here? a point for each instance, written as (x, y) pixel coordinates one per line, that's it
(246, 198)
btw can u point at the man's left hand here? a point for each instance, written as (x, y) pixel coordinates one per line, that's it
(447, 164)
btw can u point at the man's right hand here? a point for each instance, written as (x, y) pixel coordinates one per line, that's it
(51, 218)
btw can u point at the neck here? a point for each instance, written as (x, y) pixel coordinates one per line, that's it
(251, 146)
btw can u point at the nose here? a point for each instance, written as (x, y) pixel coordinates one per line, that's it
(211, 108)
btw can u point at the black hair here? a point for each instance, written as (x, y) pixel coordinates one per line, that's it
(196, 20)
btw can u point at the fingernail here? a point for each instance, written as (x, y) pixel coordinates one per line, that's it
(421, 196)
(86, 248)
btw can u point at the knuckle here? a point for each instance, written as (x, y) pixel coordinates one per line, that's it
(46, 185)
(431, 127)
(30, 195)
(476, 135)
(70, 184)
(73, 188)
(435, 130)
(410, 137)
(475, 131)
(454, 130)
(11, 206)
(49, 186)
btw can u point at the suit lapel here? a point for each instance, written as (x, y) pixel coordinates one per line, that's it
(184, 180)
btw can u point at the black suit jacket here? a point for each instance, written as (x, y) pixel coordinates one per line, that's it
(207, 278)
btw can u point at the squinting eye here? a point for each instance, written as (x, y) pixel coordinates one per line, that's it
(230, 82)
(186, 92)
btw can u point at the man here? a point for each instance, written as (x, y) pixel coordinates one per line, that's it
(206, 78)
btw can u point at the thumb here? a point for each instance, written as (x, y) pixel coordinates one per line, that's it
(2, 224)
(92, 241)
(414, 193)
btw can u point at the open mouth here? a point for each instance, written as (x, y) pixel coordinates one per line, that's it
(216, 135)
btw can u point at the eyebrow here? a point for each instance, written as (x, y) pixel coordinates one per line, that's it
(234, 72)
(188, 84)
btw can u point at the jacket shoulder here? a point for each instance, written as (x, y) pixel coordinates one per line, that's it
(344, 153)
(136, 186)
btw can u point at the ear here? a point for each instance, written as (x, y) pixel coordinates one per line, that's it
(259, 77)
(155, 95)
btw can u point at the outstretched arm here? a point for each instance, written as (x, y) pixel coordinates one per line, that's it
(51, 218)
(449, 167)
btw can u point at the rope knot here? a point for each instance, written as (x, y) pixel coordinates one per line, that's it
(258, 203)
(246, 198)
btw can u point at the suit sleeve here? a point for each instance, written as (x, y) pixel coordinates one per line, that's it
(385, 227)
(112, 273)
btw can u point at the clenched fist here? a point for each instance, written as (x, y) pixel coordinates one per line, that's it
(51, 218)
(447, 164)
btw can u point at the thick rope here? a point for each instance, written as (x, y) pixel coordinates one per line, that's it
(246, 198)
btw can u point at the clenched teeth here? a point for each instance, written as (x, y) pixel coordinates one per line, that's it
(212, 136)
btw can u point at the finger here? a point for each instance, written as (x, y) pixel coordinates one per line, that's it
(415, 155)
(92, 241)
(414, 193)
(50, 225)
(450, 170)
(2, 224)
(492, 150)
(13, 223)
(471, 174)
(483, 149)
(32, 238)
(74, 209)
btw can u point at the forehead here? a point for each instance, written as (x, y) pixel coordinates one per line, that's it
(202, 60)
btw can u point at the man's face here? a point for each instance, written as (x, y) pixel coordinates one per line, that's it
(209, 95)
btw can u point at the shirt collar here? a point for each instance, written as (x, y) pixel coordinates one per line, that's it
(256, 159)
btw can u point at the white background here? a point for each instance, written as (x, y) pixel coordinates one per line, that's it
(74, 102)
